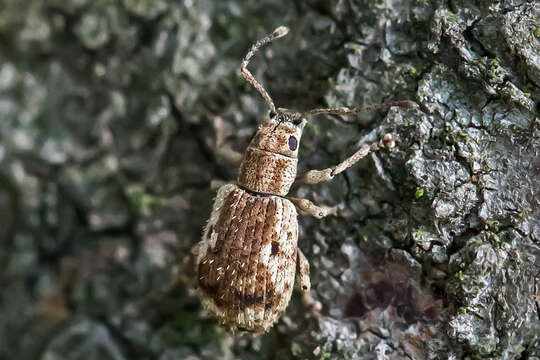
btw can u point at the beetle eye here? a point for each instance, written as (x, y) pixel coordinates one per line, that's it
(293, 143)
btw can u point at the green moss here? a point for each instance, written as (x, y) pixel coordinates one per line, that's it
(493, 224)
(418, 236)
(325, 355)
(143, 202)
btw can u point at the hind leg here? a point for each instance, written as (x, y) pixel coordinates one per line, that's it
(302, 269)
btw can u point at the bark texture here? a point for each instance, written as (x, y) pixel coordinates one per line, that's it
(108, 111)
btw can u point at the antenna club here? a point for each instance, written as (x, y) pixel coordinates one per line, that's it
(280, 32)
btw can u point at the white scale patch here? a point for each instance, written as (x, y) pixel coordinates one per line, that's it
(204, 244)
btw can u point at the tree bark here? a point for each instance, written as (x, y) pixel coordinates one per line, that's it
(110, 112)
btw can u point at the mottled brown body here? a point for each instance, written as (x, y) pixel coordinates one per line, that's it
(247, 259)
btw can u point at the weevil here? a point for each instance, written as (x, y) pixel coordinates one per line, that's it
(248, 257)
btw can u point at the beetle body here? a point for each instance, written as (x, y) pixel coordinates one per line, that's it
(247, 272)
(246, 260)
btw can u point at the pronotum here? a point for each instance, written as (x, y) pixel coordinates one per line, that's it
(247, 259)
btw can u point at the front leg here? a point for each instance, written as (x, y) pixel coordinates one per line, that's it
(221, 149)
(317, 176)
(317, 211)
(228, 154)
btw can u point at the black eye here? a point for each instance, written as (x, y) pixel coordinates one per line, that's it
(293, 143)
(297, 121)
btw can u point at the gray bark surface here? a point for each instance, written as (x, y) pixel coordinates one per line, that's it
(108, 111)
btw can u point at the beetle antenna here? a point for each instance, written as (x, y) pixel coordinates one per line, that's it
(276, 34)
(353, 111)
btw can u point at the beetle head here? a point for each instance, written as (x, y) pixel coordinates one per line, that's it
(280, 134)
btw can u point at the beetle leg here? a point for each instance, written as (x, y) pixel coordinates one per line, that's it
(221, 149)
(317, 211)
(302, 267)
(317, 176)
(228, 154)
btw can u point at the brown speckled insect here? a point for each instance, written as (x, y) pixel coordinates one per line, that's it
(247, 258)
